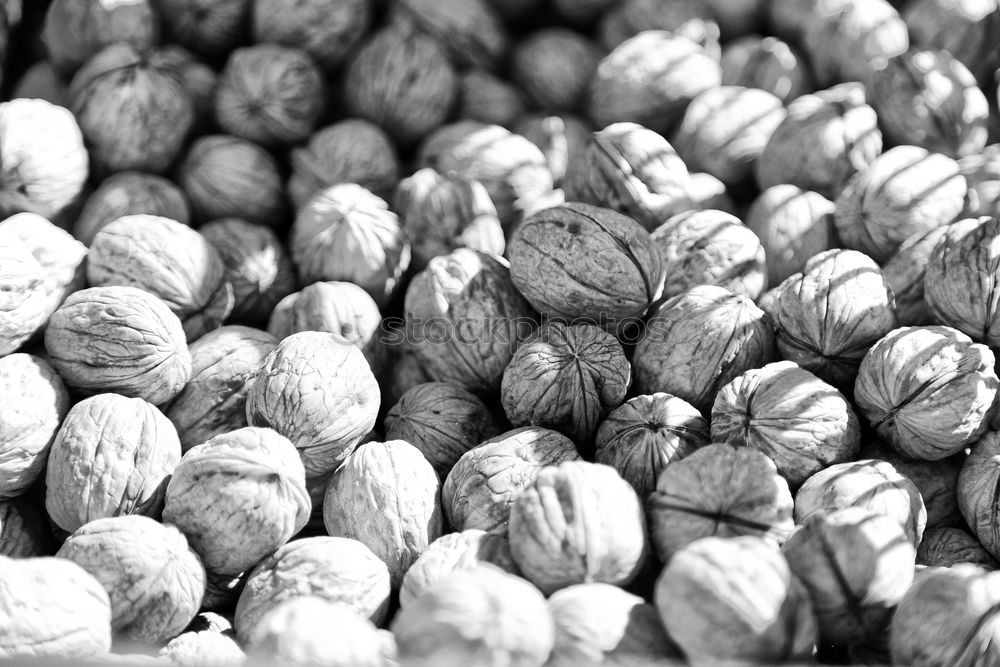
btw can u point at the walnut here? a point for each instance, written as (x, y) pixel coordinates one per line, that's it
(154, 580)
(948, 546)
(75, 30)
(202, 648)
(793, 225)
(24, 530)
(120, 339)
(976, 490)
(199, 79)
(471, 31)
(707, 192)
(967, 30)
(562, 139)
(554, 66)
(487, 98)
(687, 18)
(905, 271)
(982, 174)
(208, 27)
(325, 30)
(130, 193)
(766, 63)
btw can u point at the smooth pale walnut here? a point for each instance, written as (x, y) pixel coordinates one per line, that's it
(948, 546)
(905, 271)
(24, 530)
(929, 392)
(801, 422)
(718, 491)
(119, 339)
(325, 30)
(793, 225)
(471, 31)
(130, 193)
(698, 341)
(976, 486)
(766, 63)
(75, 30)
(61, 256)
(982, 174)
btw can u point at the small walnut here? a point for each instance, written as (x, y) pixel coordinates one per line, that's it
(554, 66)
(130, 193)
(905, 271)
(766, 63)
(199, 79)
(60, 255)
(487, 98)
(325, 30)
(948, 546)
(693, 19)
(793, 225)
(982, 174)
(471, 31)
(75, 30)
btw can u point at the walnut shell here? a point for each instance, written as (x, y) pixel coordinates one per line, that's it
(687, 18)
(793, 225)
(471, 31)
(31, 627)
(130, 193)
(929, 392)
(202, 648)
(238, 497)
(154, 580)
(111, 457)
(207, 27)
(482, 486)
(718, 491)
(967, 30)
(272, 95)
(825, 139)
(26, 435)
(976, 492)
(829, 315)
(441, 420)
(60, 255)
(575, 523)
(708, 192)
(317, 390)
(647, 433)
(554, 66)
(169, 260)
(120, 339)
(565, 377)
(562, 140)
(133, 113)
(905, 271)
(486, 98)
(452, 553)
(24, 530)
(801, 422)
(948, 546)
(698, 341)
(325, 30)
(856, 564)
(24, 302)
(766, 63)
(351, 151)
(742, 584)
(336, 569)
(74, 30)
(982, 174)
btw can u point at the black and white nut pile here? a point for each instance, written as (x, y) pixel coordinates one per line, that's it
(500, 333)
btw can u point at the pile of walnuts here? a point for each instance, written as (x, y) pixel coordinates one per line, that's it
(500, 333)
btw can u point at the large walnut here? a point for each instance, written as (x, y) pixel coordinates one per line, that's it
(982, 174)
(24, 303)
(130, 193)
(693, 19)
(905, 271)
(562, 139)
(793, 225)
(208, 27)
(929, 392)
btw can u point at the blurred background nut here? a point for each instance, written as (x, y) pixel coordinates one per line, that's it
(982, 174)
(586, 263)
(33, 403)
(486, 98)
(452, 553)
(347, 233)
(718, 491)
(441, 213)
(238, 497)
(111, 457)
(75, 30)
(929, 392)
(154, 580)
(228, 177)
(766, 63)
(870, 484)
(948, 546)
(45, 163)
(386, 495)
(213, 401)
(825, 138)
(930, 99)
(631, 169)
(708, 192)
(130, 193)
(904, 191)
(169, 260)
(829, 315)
(471, 31)
(745, 585)
(968, 30)
(335, 307)
(801, 422)
(562, 140)
(120, 339)
(317, 390)
(948, 617)
(336, 569)
(464, 318)
(350, 151)
(554, 66)
(578, 522)
(31, 627)
(716, 138)
(698, 341)
(325, 30)
(484, 483)
(272, 95)
(905, 271)
(976, 492)
(600, 623)
(793, 225)
(202, 648)
(41, 81)
(310, 631)
(133, 113)
(650, 79)
(482, 611)
(857, 564)
(710, 248)
(198, 78)
(647, 433)
(208, 27)
(565, 377)
(24, 530)
(441, 420)
(400, 78)
(256, 264)
(687, 18)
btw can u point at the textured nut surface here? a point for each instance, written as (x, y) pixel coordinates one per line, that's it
(793, 225)
(24, 304)
(130, 193)
(325, 30)
(472, 32)
(948, 546)
(74, 31)
(766, 63)
(209, 27)
(905, 272)
(202, 648)
(24, 531)
(976, 490)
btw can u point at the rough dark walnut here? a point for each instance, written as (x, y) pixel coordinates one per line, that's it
(471, 31)
(198, 78)
(554, 66)
(24, 530)
(793, 225)
(483, 484)
(801, 422)
(718, 491)
(948, 546)
(905, 271)
(61, 257)
(766, 63)
(929, 392)
(976, 485)
(24, 307)
(830, 314)
(698, 341)
(130, 193)
(647, 433)
(120, 339)
(325, 30)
